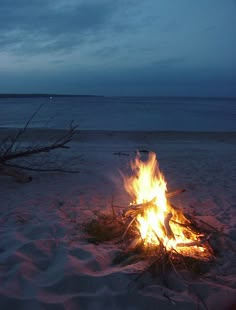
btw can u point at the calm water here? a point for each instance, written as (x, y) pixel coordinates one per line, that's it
(122, 113)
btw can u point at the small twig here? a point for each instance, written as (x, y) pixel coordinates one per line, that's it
(112, 207)
(161, 243)
(174, 193)
(40, 170)
(22, 131)
(133, 245)
(134, 210)
(187, 283)
(168, 230)
(97, 213)
(119, 207)
(178, 223)
(131, 222)
(170, 299)
(13, 172)
(195, 219)
(143, 205)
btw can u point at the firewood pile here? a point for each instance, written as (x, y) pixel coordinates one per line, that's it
(151, 228)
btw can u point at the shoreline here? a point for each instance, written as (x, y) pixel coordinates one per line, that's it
(100, 135)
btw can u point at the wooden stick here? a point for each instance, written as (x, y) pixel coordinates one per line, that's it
(112, 207)
(143, 205)
(131, 222)
(174, 193)
(133, 245)
(168, 230)
(134, 210)
(156, 235)
(59, 143)
(17, 174)
(194, 243)
(180, 224)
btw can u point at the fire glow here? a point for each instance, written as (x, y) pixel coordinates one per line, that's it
(156, 220)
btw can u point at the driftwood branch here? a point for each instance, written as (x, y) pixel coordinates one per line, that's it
(60, 143)
(40, 169)
(15, 173)
(20, 132)
(10, 151)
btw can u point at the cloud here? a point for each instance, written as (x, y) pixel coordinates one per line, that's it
(115, 44)
(170, 61)
(34, 26)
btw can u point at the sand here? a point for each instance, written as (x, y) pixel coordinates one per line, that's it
(46, 261)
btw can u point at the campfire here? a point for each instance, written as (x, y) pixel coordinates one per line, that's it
(156, 221)
(151, 226)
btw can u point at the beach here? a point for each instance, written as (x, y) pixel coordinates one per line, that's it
(46, 259)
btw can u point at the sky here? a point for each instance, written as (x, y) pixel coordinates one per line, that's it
(118, 47)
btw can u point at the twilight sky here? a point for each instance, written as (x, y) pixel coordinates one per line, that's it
(118, 47)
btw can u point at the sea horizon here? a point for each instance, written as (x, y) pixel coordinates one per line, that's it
(43, 95)
(120, 113)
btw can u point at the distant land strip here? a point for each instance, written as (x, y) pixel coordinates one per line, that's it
(38, 95)
(43, 95)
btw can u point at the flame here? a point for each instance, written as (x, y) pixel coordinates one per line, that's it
(160, 222)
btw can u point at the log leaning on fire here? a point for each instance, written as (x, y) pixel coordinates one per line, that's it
(134, 210)
(174, 193)
(168, 230)
(194, 243)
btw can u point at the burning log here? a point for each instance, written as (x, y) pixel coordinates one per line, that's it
(134, 210)
(194, 243)
(143, 205)
(131, 210)
(169, 232)
(174, 193)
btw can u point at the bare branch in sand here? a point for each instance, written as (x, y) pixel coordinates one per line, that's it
(15, 173)
(11, 150)
(41, 169)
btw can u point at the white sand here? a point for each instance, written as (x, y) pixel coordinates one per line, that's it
(45, 260)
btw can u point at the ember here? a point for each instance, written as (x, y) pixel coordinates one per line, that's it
(156, 220)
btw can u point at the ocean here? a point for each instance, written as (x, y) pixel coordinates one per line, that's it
(121, 113)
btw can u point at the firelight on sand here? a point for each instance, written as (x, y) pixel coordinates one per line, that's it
(159, 222)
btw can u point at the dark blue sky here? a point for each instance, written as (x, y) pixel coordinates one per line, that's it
(118, 47)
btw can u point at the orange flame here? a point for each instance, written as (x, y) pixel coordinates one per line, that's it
(160, 222)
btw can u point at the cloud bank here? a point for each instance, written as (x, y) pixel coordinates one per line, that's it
(151, 44)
